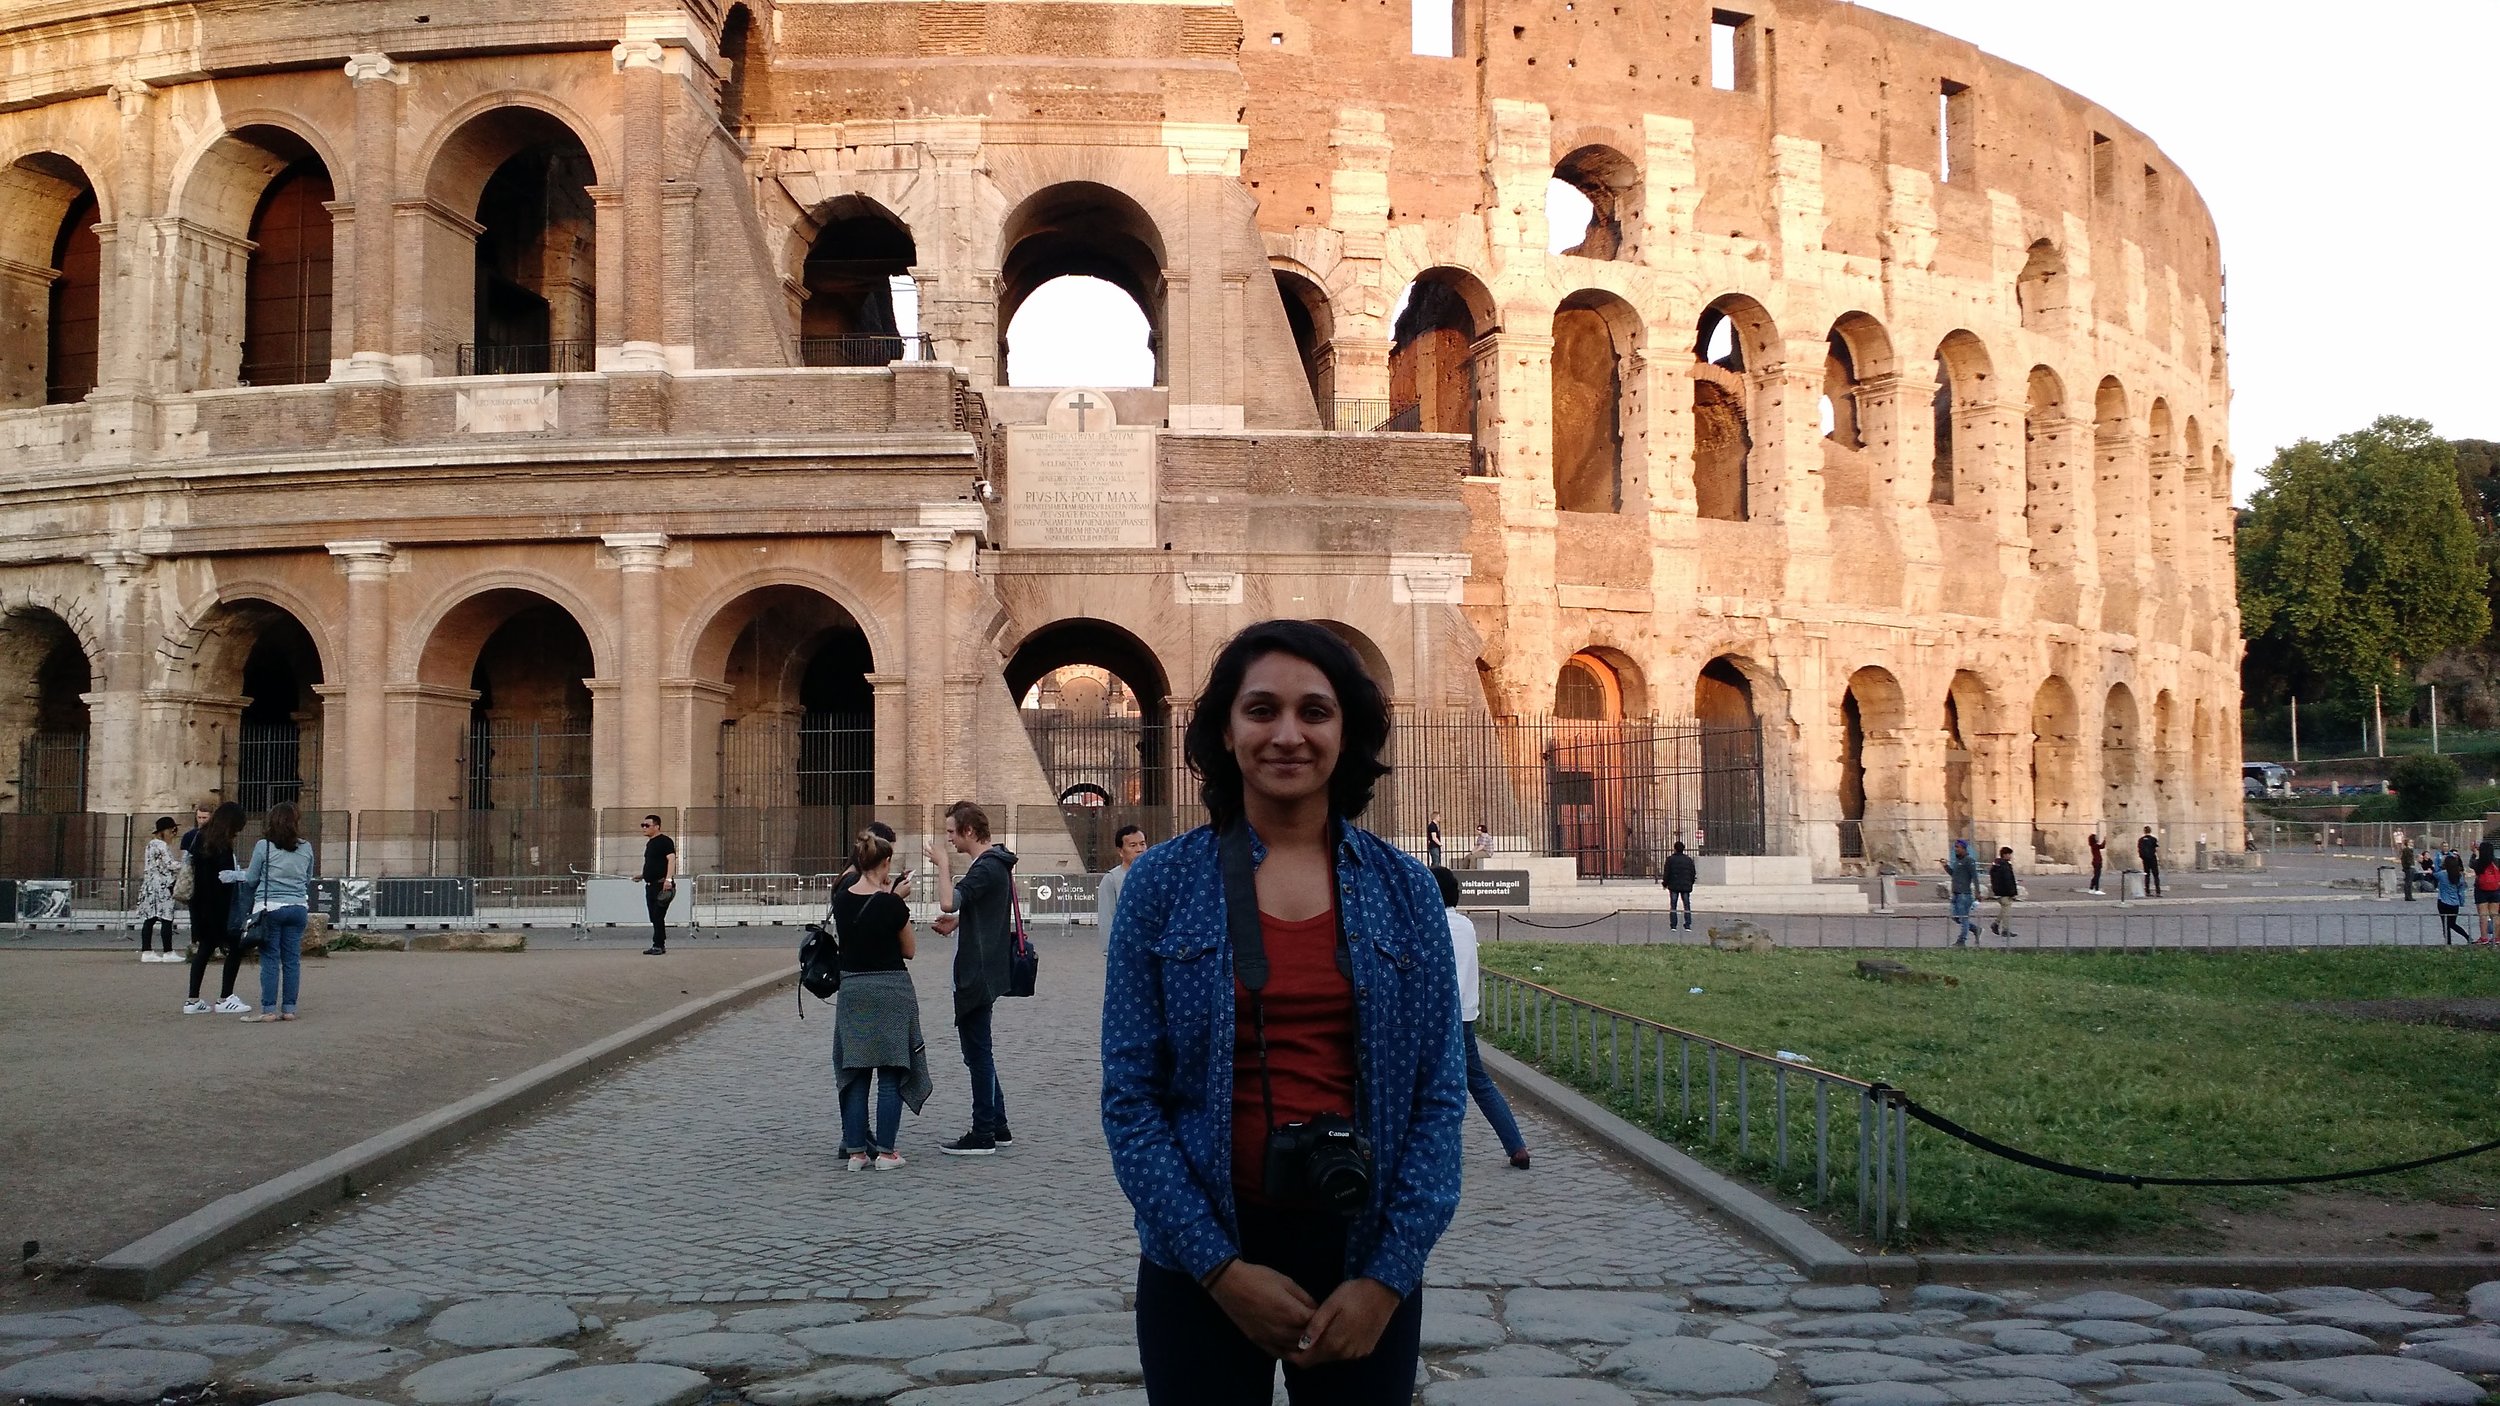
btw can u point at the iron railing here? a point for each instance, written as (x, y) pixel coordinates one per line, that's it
(2104, 927)
(1358, 416)
(527, 359)
(1710, 1101)
(52, 774)
(865, 350)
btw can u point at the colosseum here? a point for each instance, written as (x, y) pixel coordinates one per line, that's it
(1784, 428)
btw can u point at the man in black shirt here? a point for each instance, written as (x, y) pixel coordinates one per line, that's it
(2148, 849)
(659, 882)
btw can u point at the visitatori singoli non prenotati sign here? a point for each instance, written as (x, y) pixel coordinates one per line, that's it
(1080, 480)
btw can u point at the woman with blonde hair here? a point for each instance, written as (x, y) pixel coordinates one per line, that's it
(876, 1016)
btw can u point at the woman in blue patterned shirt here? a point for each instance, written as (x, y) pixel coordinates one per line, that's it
(1284, 1108)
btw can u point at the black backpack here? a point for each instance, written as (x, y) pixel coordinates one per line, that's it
(820, 965)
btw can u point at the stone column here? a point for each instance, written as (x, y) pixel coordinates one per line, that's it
(1202, 349)
(2057, 514)
(925, 551)
(364, 671)
(1430, 587)
(2119, 525)
(1784, 412)
(370, 344)
(114, 709)
(636, 778)
(129, 342)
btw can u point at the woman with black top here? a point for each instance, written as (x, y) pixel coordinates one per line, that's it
(1283, 1080)
(876, 1016)
(212, 902)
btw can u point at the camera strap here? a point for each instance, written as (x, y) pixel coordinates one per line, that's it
(1241, 919)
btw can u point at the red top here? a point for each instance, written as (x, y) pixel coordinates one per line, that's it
(1310, 1041)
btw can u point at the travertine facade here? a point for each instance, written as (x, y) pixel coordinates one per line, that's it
(440, 383)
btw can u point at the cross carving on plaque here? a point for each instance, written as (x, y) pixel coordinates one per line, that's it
(1081, 405)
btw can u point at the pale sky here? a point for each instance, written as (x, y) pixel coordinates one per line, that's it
(2348, 157)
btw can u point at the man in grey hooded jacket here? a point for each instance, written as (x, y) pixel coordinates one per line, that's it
(979, 909)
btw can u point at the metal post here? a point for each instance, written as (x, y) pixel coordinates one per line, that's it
(2378, 714)
(1714, 1093)
(2295, 730)
(1866, 1167)
(1779, 1100)
(2434, 720)
(1822, 1141)
(1901, 1160)
(1684, 1058)
(1614, 1053)
(1744, 1109)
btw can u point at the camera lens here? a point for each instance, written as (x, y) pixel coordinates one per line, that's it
(1342, 1184)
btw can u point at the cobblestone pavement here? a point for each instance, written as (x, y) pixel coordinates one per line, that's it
(681, 1233)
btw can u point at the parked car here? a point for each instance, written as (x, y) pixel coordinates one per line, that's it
(2265, 780)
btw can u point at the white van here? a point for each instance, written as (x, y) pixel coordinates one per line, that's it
(2260, 780)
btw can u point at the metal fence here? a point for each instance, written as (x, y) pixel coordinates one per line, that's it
(2103, 928)
(1730, 1103)
(1358, 416)
(527, 359)
(865, 350)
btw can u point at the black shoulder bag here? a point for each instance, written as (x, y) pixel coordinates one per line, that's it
(1326, 1163)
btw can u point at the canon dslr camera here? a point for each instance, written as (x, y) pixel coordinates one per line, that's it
(1323, 1163)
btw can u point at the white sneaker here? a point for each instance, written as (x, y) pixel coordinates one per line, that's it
(146, 955)
(858, 1162)
(231, 1006)
(196, 1006)
(889, 1161)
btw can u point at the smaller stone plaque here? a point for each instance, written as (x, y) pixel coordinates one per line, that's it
(505, 410)
(1079, 480)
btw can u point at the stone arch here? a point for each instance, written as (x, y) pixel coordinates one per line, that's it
(1600, 683)
(857, 258)
(1731, 814)
(1375, 660)
(447, 621)
(46, 668)
(2170, 783)
(1965, 380)
(1973, 716)
(784, 721)
(1083, 229)
(257, 242)
(737, 34)
(1607, 806)
(1596, 335)
(1735, 333)
(514, 172)
(2119, 507)
(2057, 802)
(2049, 471)
(2040, 290)
(1095, 702)
(1856, 349)
(2122, 762)
(1311, 319)
(51, 279)
(701, 651)
(1441, 319)
(1610, 184)
(256, 664)
(1875, 760)
(2203, 753)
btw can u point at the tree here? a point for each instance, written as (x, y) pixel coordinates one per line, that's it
(2358, 562)
(2425, 783)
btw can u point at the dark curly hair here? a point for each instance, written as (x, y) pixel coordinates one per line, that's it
(1359, 703)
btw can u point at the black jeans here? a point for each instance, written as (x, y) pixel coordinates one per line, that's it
(208, 933)
(989, 1097)
(1194, 1356)
(655, 901)
(148, 925)
(2152, 878)
(1679, 901)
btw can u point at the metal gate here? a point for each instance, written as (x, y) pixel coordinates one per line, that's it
(52, 774)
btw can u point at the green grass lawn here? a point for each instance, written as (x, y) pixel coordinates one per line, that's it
(2189, 1064)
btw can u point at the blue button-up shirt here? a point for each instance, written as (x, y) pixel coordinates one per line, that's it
(1168, 1031)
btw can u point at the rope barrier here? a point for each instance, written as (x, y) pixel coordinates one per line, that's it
(1560, 927)
(1990, 1145)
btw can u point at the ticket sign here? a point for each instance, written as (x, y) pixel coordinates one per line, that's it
(1492, 888)
(1080, 481)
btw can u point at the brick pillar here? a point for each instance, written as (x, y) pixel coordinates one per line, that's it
(635, 779)
(643, 66)
(377, 82)
(925, 552)
(357, 782)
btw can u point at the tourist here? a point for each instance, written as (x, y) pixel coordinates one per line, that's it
(280, 880)
(2486, 894)
(1483, 847)
(2148, 850)
(1432, 841)
(876, 1015)
(156, 890)
(1129, 841)
(213, 928)
(2450, 882)
(1252, 1249)
(1678, 879)
(1480, 1085)
(2404, 864)
(1963, 870)
(980, 911)
(2099, 848)
(2003, 886)
(900, 886)
(659, 882)
(199, 821)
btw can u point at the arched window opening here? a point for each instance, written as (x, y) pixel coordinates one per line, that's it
(286, 298)
(2056, 755)
(1961, 382)
(1874, 771)
(2121, 761)
(796, 728)
(1852, 776)
(278, 739)
(2040, 290)
(1840, 394)
(1586, 691)
(77, 311)
(1081, 290)
(1957, 771)
(1940, 466)
(1094, 700)
(1730, 820)
(529, 726)
(2043, 470)
(1308, 317)
(735, 35)
(1434, 28)
(1722, 437)
(862, 307)
(537, 261)
(1588, 406)
(1439, 319)
(1590, 205)
(44, 676)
